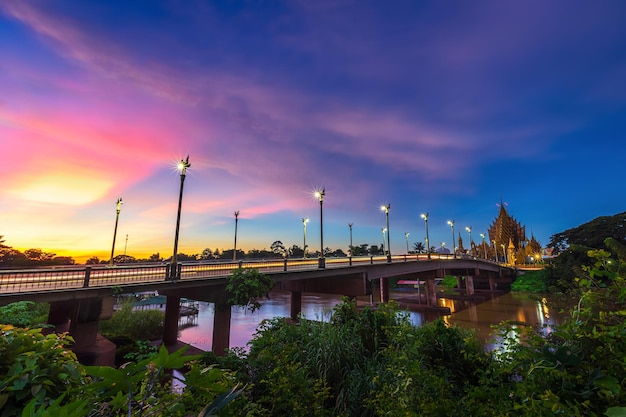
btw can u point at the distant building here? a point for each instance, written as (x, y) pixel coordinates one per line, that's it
(507, 239)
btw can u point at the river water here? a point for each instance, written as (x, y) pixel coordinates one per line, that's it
(508, 307)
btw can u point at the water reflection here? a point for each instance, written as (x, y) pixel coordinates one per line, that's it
(512, 307)
(508, 307)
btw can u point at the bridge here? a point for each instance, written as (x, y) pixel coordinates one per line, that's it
(81, 296)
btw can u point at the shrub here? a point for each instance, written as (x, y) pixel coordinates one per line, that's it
(35, 368)
(24, 314)
(136, 324)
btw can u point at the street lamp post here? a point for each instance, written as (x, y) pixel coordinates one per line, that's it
(482, 235)
(182, 168)
(386, 208)
(235, 249)
(425, 217)
(383, 230)
(350, 226)
(305, 220)
(504, 254)
(117, 217)
(406, 235)
(495, 248)
(319, 194)
(443, 244)
(469, 230)
(451, 223)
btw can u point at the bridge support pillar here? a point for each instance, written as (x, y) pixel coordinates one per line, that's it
(295, 304)
(384, 290)
(81, 318)
(170, 322)
(431, 292)
(459, 282)
(221, 329)
(469, 284)
(492, 283)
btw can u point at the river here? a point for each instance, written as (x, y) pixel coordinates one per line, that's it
(510, 306)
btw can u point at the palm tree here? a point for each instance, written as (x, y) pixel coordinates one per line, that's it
(419, 247)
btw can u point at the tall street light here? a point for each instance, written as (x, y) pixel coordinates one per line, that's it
(386, 208)
(350, 226)
(425, 217)
(451, 223)
(482, 235)
(504, 254)
(305, 220)
(383, 230)
(182, 168)
(469, 230)
(117, 217)
(406, 235)
(495, 248)
(319, 194)
(235, 249)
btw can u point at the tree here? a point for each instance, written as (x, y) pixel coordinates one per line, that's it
(278, 248)
(124, 259)
(155, 257)
(419, 247)
(94, 260)
(246, 286)
(38, 255)
(296, 251)
(206, 255)
(591, 234)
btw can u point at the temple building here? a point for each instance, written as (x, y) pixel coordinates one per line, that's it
(508, 241)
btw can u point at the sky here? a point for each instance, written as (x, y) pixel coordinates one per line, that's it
(445, 107)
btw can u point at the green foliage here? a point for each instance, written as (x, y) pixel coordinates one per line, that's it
(137, 324)
(24, 313)
(246, 285)
(144, 388)
(592, 234)
(449, 281)
(36, 369)
(532, 281)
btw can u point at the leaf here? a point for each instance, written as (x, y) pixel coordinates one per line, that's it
(615, 412)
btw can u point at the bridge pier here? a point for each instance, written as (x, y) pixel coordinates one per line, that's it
(81, 318)
(469, 284)
(431, 291)
(170, 321)
(221, 329)
(492, 283)
(295, 304)
(384, 290)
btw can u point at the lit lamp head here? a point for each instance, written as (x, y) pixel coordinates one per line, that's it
(451, 223)
(469, 229)
(182, 166)
(385, 208)
(424, 216)
(319, 194)
(305, 221)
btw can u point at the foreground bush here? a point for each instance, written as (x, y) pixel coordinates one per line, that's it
(135, 324)
(35, 368)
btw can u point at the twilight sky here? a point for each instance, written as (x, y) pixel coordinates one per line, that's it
(433, 106)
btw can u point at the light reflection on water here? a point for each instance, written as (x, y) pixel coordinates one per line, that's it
(508, 307)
